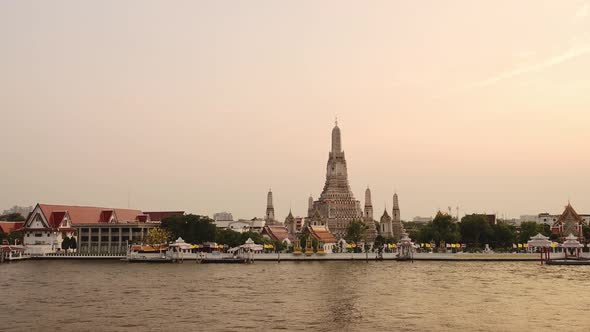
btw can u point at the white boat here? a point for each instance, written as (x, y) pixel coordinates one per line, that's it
(148, 254)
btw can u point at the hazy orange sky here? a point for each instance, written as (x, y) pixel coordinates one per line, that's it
(202, 105)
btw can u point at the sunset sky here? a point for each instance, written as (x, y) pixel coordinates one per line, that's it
(203, 105)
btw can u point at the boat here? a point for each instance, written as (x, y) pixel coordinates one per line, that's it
(579, 261)
(147, 254)
(9, 253)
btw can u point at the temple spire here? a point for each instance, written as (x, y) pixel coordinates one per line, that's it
(368, 205)
(336, 139)
(270, 210)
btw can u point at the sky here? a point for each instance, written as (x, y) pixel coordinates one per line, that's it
(203, 106)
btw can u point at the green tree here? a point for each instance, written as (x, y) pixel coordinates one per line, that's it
(441, 228)
(379, 242)
(229, 237)
(192, 228)
(12, 217)
(65, 243)
(529, 229)
(586, 233)
(504, 235)
(73, 243)
(356, 232)
(476, 230)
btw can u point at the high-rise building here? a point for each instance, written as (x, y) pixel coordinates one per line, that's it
(336, 206)
(223, 216)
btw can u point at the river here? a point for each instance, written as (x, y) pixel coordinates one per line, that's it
(351, 296)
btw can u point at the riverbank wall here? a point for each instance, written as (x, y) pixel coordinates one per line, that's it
(287, 257)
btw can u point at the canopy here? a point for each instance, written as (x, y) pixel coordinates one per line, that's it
(181, 244)
(539, 241)
(572, 242)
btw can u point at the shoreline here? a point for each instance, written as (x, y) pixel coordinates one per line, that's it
(283, 257)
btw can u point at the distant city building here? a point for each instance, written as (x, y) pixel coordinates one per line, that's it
(546, 218)
(512, 222)
(549, 219)
(530, 217)
(223, 216)
(22, 210)
(336, 208)
(422, 220)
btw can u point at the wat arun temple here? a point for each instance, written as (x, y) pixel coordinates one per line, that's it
(337, 207)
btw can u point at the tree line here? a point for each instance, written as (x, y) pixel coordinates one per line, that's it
(476, 231)
(200, 229)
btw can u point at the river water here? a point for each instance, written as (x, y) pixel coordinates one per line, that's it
(318, 296)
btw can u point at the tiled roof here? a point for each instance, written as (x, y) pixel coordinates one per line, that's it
(321, 233)
(569, 212)
(86, 214)
(10, 226)
(278, 233)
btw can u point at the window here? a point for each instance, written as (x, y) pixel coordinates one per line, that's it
(38, 234)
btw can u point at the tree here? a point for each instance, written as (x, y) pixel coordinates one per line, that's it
(228, 237)
(192, 228)
(157, 236)
(356, 232)
(476, 230)
(504, 235)
(65, 244)
(73, 243)
(442, 228)
(12, 217)
(379, 242)
(529, 229)
(586, 233)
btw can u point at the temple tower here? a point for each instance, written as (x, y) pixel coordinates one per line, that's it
(270, 210)
(337, 204)
(397, 227)
(290, 223)
(368, 205)
(368, 218)
(385, 225)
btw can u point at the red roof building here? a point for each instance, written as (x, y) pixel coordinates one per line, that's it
(322, 234)
(8, 227)
(569, 223)
(277, 233)
(48, 225)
